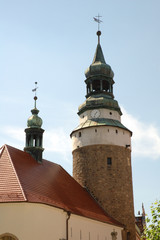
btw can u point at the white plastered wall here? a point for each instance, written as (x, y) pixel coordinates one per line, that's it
(104, 113)
(38, 222)
(32, 221)
(87, 229)
(101, 135)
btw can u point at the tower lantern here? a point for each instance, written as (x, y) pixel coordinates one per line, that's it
(99, 75)
(34, 133)
(101, 146)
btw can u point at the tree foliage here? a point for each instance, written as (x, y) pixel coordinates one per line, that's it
(152, 230)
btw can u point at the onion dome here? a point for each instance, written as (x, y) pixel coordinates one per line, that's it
(34, 121)
(99, 66)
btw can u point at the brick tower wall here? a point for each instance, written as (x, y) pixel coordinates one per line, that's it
(111, 185)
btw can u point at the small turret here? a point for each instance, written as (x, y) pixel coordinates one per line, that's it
(34, 134)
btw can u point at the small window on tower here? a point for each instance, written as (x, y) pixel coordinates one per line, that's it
(79, 134)
(95, 130)
(110, 113)
(116, 131)
(109, 161)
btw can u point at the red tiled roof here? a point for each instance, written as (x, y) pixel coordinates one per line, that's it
(24, 179)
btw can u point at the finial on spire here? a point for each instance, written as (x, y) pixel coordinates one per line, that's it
(35, 97)
(97, 19)
(99, 34)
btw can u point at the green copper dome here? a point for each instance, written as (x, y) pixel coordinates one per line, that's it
(34, 121)
(99, 66)
(99, 101)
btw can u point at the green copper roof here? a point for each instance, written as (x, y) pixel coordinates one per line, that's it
(98, 57)
(99, 101)
(101, 122)
(99, 65)
(34, 121)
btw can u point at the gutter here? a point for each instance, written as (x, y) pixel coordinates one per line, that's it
(67, 220)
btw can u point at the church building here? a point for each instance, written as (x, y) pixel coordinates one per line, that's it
(40, 200)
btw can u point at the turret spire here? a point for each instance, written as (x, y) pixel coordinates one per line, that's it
(34, 132)
(99, 75)
(98, 56)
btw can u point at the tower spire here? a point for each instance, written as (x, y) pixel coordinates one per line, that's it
(34, 132)
(99, 75)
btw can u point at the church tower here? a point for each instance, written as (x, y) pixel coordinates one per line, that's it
(102, 146)
(34, 134)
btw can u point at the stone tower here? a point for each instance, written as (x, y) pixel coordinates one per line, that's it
(34, 134)
(102, 146)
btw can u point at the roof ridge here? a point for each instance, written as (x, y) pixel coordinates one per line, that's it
(1, 150)
(19, 183)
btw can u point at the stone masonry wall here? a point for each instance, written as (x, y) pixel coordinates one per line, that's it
(111, 185)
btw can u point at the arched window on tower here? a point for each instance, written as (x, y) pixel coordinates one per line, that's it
(88, 88)
(96, 86)
(28, 140)
(106, 86)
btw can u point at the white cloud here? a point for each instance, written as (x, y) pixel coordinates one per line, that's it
(13, 136)
(55, 140)
(145, 139)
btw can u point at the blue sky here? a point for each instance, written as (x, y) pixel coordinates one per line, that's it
(53, 42)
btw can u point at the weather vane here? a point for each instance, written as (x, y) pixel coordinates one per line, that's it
(97, 19)
(35, 90)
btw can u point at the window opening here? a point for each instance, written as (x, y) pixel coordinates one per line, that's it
(109, 161)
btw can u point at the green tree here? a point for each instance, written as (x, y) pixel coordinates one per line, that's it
(152, 229)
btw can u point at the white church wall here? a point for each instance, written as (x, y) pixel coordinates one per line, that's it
(32, 221)
(87, 229)
(39, 221)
